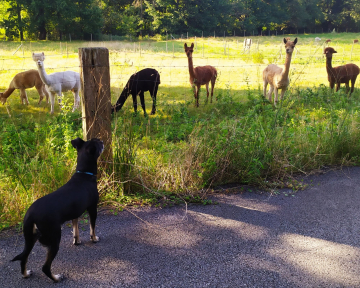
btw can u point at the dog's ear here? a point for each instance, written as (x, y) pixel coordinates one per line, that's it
(77, 143)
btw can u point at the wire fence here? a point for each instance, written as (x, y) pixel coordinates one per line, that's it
(239, 68)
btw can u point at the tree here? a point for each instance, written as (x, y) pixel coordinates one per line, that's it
(60, 17)
(14, 19)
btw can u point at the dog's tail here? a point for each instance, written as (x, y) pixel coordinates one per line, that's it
(30, 236)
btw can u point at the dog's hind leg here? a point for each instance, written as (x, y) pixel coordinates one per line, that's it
(51, 254)
(52, 241)
(75, 225)
(30, 240)
(93, 214)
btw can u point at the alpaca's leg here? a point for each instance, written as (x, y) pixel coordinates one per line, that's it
(337, 86)
(282, 93)
(60, 97)
(212, 87)
(52, 100)
(276, 95)
(207, 92)
(347, 87)
(332, 84)
(26, 98)
(41, 92)
(353, 84)
(76, 100)
(142, 101)
(134, 102)
(153, 93)
(194, 90)
(270, 92)
(264, 88)
(46, 92)
(23, 96)
(197, 95)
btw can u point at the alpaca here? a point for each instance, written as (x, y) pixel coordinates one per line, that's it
(58, 82)
(200, 75)
(25, 80)
(340, 74)
(144, 80)
(277, 77)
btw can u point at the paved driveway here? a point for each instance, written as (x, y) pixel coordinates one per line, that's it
(247, 240)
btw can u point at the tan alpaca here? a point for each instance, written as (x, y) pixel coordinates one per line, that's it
(200, 75)
(25, 80)
(278, 77)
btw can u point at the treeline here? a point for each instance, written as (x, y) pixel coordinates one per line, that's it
(83, 19)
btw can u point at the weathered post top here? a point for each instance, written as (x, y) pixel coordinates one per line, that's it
(96, 97)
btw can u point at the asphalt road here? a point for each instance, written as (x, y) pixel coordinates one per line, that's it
(247, 240)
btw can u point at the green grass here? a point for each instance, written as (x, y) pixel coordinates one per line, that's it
(180, 152)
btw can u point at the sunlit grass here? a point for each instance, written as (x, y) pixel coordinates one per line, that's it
(182, 150)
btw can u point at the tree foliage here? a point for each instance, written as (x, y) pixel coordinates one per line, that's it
(43, 19)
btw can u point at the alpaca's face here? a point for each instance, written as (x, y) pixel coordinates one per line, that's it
(290, 45)
(39, 63)
(329, 51)
(189, 50)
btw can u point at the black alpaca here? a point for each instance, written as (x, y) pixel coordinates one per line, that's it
(144, 80)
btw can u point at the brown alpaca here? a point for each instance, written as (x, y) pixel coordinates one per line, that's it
(340, 74)
(200, 75)
(25, 80)
(277, 77)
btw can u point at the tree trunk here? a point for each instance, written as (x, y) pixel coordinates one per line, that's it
(18, 10)
(42, 28)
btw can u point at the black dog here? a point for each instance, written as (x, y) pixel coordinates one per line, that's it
(44, 217)
(144, 80)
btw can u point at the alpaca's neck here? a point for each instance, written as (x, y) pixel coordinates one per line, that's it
(285, 73)
(44, 77)
(329, 67)
(8, 92)
(191, 68)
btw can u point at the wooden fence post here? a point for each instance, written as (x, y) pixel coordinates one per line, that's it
(96, 98)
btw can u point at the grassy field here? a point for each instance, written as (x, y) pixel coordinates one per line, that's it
(182, 151)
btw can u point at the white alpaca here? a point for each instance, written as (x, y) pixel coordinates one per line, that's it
(58, 82)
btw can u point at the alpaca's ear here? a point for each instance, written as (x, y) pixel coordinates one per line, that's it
(192, 45)
(295, 41)
(334, 51)
(185, 45)
(285, 40)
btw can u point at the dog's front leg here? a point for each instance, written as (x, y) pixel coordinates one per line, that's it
(76, 232)
(93, 215)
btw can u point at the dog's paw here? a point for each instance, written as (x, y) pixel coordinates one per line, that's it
(94, 239)
(76, 241)
(27, 274)
(58, 278)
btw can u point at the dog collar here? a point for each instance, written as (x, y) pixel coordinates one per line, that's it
(92, 174)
